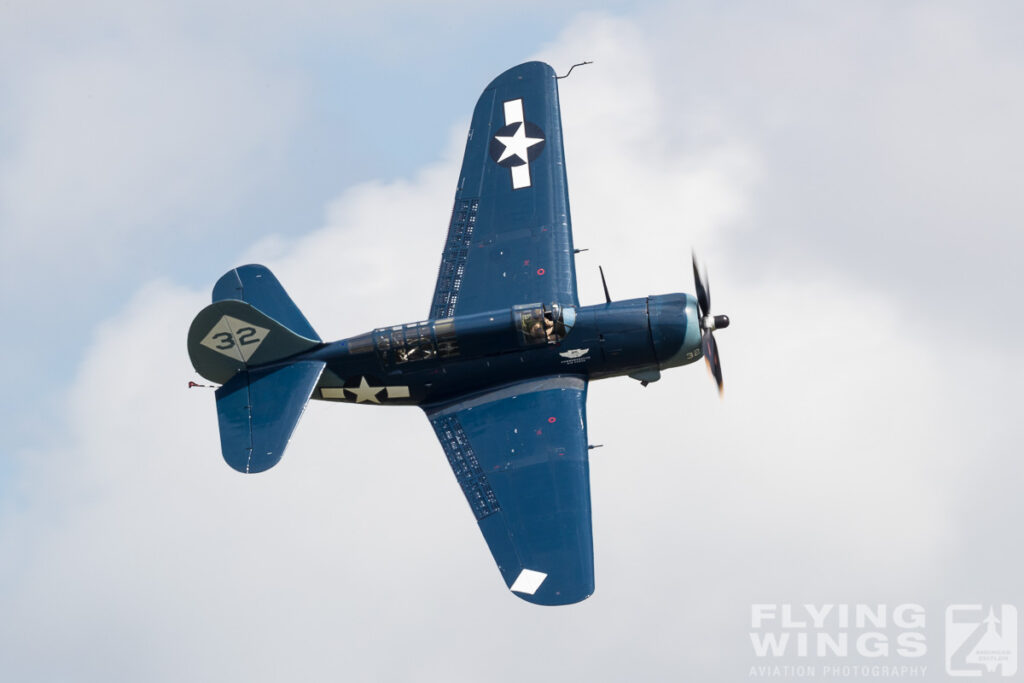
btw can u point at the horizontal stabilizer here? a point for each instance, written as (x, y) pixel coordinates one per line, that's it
(258, 410)
(230, 336)
(256, 285)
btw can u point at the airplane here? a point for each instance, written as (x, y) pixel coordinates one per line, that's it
(500, 365)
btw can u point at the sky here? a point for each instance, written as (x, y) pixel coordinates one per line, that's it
(849, 172)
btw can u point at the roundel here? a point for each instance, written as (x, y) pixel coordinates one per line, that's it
(517, 143)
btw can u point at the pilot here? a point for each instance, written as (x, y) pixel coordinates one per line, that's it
(549, 326)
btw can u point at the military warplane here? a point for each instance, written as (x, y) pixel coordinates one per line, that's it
(501, 364)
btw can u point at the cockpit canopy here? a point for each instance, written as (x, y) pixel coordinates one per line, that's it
(416, 341)
(543, 324)
(533, 324)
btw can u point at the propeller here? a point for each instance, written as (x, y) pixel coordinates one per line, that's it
(708, 324)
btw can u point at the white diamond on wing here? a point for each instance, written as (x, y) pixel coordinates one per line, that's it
(517, 144)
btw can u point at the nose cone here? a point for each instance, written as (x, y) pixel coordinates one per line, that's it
(721, 322)
(675, 329)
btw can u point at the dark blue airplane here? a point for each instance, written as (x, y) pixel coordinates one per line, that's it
(501, 364)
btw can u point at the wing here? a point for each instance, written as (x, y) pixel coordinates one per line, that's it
(520, 455)
(510, 237)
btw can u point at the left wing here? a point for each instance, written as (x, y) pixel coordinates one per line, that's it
(510, 239)
(519, 453)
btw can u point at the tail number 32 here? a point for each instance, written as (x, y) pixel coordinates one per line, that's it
(234, 338)
(244, 335)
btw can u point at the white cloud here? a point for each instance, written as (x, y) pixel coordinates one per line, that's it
(890, 133)
(835, 467)
(105, 147)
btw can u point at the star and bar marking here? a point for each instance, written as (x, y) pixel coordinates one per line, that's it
(365, 393)
(518, 143)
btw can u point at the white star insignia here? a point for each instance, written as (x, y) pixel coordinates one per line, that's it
(517, 144)
(364, 392)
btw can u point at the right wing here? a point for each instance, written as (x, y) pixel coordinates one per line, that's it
(519, 453)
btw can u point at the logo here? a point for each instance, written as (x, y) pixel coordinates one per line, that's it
(574, 356)
(235, 338)
(981, 642)
(838, 641)
(516, 144)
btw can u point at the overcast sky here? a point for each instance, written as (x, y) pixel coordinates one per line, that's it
(851, 174)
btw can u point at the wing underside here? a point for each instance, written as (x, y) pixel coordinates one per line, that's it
(520, 455)
(510, 239)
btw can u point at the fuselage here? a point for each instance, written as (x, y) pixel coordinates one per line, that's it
(434, 361)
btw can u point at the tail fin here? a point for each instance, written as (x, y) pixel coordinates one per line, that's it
(251, 324)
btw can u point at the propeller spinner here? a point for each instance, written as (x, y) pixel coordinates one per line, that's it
(708, 324)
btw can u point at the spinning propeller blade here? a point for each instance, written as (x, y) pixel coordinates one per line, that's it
(708, 324)
(703, 290)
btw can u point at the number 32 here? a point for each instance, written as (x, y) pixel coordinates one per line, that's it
(246, 336)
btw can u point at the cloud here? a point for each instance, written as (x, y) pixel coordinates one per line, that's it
(834, 470)
(165, 131)
(891, 137)
(125, 138)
